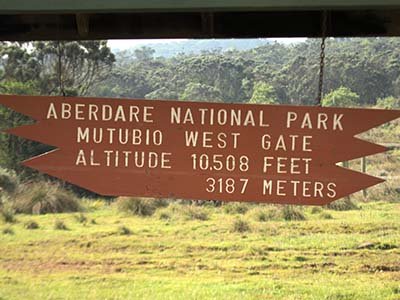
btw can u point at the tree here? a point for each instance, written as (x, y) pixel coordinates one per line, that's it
(201, 92)
(162, 93)
(342, 97)
(144, 53)
(388, 103)
(82, 65)
(263, 93)
(14, 149)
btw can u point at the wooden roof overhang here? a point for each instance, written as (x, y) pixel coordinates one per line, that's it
(22, 20)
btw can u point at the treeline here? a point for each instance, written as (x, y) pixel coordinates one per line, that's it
(286, 74)
(363, 72)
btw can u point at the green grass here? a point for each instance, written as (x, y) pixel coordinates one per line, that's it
(203, 259)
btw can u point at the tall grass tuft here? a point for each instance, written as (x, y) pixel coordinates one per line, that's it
(7, 214)
(136, 206)
(343, 205)
(8, 230)
(292, 213)
(123, 230)
(240, 225)
(31, 225)
(44, 198)
(264, 213)
(60, 225)
(192, 212)
(236, 208)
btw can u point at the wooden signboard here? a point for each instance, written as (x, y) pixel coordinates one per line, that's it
(193, 150)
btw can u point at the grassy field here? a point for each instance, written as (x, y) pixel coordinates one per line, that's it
(105, 254)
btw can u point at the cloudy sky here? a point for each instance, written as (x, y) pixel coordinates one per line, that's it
(126, 44)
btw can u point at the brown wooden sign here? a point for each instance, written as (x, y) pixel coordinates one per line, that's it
(193, 150)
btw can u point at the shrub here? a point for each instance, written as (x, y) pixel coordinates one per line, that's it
(60, 225)
(45, 197)
(8, 230)
(31, 225)
(240, 225)
(136, 206)
(123, 230)
(342, 205)
(8, 181)
(7, 214)
(195, 213)
(236, 208)
(292, 213)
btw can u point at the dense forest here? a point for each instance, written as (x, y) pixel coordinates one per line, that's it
(359, 72)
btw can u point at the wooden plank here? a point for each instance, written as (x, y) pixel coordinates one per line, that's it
(68, 6)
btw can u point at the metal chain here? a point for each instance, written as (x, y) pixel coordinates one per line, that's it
(60, 79)
(322, 58)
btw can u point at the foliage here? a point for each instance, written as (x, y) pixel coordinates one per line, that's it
(136, 206)
(201, 92)
(263, 93)
(44, 198)
(388, 103)
(342, 97)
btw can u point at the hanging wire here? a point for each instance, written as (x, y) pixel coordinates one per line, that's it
(60, 79)
(324, 23)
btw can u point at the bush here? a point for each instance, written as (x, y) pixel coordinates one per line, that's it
(8, 181)
(236, 208)
(342, 205)
(45, 197)
(8, 230)
(31, 225)
(123, 230)
(195, 213)
(7, 214)
(240, 225)
(293, 213)
(60, 225)
(136, 206)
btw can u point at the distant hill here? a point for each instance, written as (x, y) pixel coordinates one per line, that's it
(170, 49)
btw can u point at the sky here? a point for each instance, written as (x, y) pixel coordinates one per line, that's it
(126, 44)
